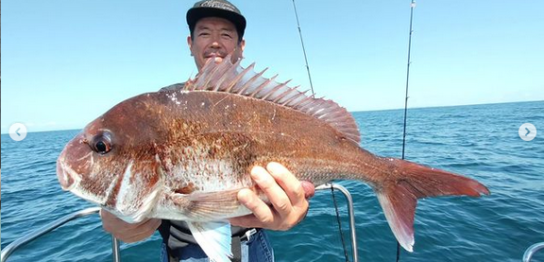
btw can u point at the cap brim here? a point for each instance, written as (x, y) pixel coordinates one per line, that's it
(195, 14)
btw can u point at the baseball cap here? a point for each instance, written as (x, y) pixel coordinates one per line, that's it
(216, 8)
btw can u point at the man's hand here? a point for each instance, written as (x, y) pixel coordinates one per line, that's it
(127, 232)
(286, 194)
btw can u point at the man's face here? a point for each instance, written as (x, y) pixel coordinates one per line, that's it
(215, 38)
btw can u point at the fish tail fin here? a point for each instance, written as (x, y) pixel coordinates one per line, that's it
(407, 182)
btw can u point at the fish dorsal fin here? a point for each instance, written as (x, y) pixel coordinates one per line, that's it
(232, 78)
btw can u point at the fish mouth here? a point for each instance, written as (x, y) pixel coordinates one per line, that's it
(68, 178)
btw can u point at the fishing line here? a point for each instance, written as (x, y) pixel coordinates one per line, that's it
(339, 224)
(313, 94)
(412, 5)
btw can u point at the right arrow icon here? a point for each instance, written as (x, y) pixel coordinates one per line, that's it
(527, 132)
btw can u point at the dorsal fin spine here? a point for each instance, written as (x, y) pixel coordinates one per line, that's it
(232, 84)
(329, 109)
(201, 76)
(274, 90)
(306, 105)
(225, 75)
(263, 85)
(315, 107)
(335, 114)
(220, 74)
(302, 103)
(294, 98)
(206, 75)
(207, 78)
(237, 80)
(284, 94)
(250, 81)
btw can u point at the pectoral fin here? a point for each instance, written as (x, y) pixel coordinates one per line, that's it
(205, 206)
(214, 238)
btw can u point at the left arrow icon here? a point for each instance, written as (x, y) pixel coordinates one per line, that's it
(17, 131)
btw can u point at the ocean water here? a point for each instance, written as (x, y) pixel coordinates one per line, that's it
(478, 141)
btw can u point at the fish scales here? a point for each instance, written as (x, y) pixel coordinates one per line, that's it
(210, 127)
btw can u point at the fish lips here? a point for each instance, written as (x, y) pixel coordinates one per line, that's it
(72, 162)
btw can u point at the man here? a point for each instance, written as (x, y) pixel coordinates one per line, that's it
(217, 29)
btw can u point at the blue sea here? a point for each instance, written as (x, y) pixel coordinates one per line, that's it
(479, 141)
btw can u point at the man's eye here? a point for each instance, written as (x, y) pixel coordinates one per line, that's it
(226, 36)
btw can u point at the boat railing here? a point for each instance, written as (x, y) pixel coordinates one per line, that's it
(351, 214)
(9, 249)
(532, 250)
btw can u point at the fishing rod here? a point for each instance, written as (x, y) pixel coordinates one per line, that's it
(313, 94)
(303, 49)
(412, 5)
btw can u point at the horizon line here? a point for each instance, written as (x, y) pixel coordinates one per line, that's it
(370, 110)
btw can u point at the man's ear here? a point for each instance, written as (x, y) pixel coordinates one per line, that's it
(190, 44)
(189, 41)
(243, 44)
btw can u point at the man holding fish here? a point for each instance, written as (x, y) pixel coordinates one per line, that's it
(217, 29)
(192, 155)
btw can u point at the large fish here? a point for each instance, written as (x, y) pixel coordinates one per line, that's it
(184, 155)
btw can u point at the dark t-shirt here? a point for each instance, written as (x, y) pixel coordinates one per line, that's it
(176, 234)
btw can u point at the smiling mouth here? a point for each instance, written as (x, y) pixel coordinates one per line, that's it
(216, 59)
(213, 55)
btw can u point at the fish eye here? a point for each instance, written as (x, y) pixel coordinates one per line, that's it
(101, 143)
(102, 147)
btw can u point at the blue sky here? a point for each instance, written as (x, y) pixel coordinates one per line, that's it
(66, 62)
